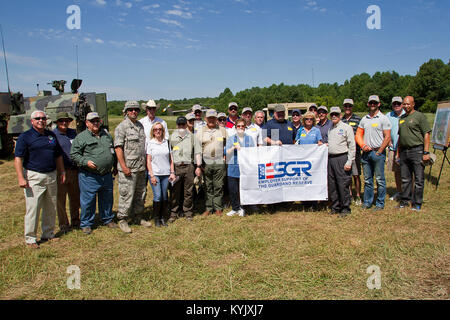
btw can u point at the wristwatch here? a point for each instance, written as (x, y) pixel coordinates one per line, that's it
(426, 152)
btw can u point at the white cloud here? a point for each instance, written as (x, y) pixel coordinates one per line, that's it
(100, 2)
(88, 40)
(170, 22)
(99, 41)
(179, 13)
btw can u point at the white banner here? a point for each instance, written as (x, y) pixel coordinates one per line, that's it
(274, 174)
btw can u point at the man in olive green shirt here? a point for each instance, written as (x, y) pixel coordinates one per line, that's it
(93, 151)
(413, 149)
(181, 196)
(209, 148)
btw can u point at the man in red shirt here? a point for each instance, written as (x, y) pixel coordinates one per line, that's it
(232, 114)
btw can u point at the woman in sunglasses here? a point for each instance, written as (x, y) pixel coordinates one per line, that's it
(160, 171)
(309, 133)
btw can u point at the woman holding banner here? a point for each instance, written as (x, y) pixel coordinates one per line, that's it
(234, 144)
(309, 134)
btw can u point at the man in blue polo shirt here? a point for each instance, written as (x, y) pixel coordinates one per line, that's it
(37, 156)
(279, 130)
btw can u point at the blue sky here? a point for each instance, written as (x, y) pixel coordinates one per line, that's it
(141, 49)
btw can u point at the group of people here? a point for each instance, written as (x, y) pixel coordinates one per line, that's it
(52, 165)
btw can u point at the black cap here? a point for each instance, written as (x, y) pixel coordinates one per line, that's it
(181, 120)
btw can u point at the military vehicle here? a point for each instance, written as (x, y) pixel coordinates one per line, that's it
(15, 110)
(303, 107)
(169, 110)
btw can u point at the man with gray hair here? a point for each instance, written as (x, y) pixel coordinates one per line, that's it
(38, 157)
(259, 118)
(129, 143)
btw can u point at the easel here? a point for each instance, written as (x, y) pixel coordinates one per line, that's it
(444, 151)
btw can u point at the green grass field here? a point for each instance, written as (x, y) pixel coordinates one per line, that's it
(286, 255)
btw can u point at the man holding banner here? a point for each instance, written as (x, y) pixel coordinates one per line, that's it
(341, 154)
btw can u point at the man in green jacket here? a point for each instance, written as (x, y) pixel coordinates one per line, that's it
(93, 151)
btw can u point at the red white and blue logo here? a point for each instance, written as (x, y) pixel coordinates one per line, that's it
(283, 169)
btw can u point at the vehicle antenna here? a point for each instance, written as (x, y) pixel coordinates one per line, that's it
(4, 56)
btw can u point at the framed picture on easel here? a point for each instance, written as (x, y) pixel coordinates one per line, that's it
(441, 127)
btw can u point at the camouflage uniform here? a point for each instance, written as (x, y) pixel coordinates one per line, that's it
(132, 190)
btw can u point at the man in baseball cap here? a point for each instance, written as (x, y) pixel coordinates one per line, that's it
(324, 123)
(209, 149)
(394, 116)
(352, 119)
(232, 114)
(373, 136)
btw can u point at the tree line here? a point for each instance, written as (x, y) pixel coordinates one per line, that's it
(430, 85)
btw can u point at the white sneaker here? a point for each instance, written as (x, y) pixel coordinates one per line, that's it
(231, 213)
(241, 212)
(395, 196)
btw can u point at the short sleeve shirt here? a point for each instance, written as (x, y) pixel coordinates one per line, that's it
(131, 137)
(283, 131)
(65, 141)
(324, 129)
(373, 129)
(160, 157)
(393, 118)
(412, 129)
(38, 151)
(311, 137)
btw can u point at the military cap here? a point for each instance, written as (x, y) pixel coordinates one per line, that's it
(247, 109)
(221, 115)
(190, 116)
(131, 105)
(92, 115)
(322, 108)
(312, 106)
(181, 120)
(348, 101)
(233, 104)
(335, 110)
(211, 113)
(397, 99)
(374, 98)
(279, 108)
(196, 107)
(63, 115)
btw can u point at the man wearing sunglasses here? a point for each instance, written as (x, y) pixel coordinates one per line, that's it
(129, 144)
(373, 136)
(394, 116)
(93, 152)
(38, 156)
(70, 188)
(232, 114)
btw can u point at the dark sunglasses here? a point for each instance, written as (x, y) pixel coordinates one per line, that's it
(233, 108)
(134, 109)
(397, 104)
(374, 103)
(296, 115)
(64, 120)
(222, 119)
(94, 121)
(40, 118)
(309, 119)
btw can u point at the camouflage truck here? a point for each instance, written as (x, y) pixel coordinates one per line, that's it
(16, 115)
(303, 107)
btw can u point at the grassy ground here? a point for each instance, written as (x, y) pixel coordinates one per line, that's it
(286, 255)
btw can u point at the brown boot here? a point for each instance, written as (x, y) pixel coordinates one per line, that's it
(219, 213)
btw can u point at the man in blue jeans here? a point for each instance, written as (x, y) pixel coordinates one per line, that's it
(93, 151)
(373, 136)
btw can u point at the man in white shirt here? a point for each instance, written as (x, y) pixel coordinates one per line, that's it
(151, 119)
(252, 129)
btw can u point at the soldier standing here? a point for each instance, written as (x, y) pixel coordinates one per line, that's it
(129, 143)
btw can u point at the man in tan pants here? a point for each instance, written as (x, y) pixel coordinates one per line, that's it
(37, 156)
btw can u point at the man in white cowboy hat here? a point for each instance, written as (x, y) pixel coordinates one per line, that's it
(151, 118)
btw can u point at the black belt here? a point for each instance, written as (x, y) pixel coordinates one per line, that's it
(420, 146)
(183, 163)
(337, 155)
